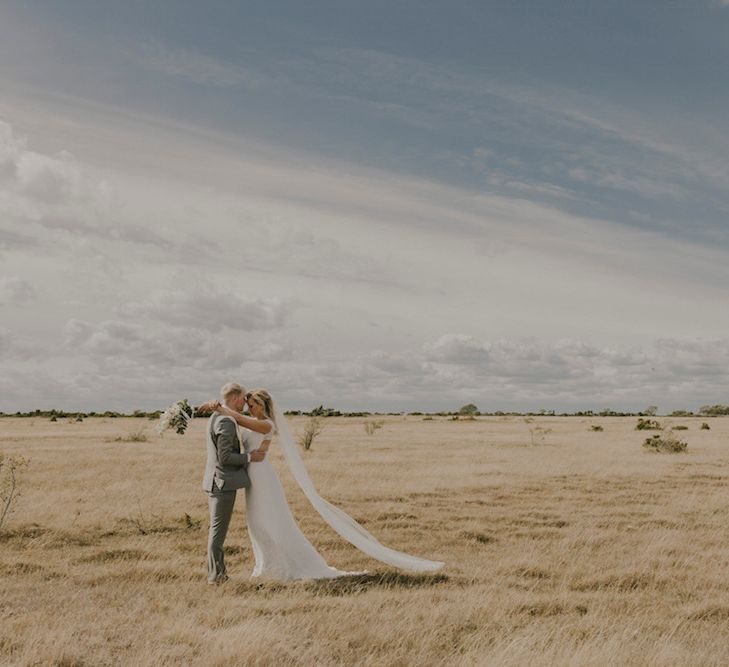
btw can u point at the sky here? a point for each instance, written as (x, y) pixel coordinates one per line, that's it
(389, 206)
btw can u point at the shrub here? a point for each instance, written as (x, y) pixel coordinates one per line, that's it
(313, 428)
(680, 427)
(428, 419)
(321, 411)
(468, 409)
(538, 434)
(596, 427)
(705, 427)
(682, 413)
(53, 418)
(714, 410)
(666, 442)
(371, 425)
(135, 436)
(9, 467)
(648, 425)
(651, 411)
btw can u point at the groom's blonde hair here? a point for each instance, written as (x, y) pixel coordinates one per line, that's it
(231, 389)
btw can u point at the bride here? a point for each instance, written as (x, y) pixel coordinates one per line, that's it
(281, 550)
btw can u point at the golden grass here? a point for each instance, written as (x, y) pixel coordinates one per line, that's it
(582, 550)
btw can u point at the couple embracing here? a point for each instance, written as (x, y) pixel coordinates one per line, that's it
(282, 552)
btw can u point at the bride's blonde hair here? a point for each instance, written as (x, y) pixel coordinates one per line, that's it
(263, 398)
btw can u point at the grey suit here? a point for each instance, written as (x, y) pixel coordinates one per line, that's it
(225, 473)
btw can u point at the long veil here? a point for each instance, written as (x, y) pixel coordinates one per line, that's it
(341, 522)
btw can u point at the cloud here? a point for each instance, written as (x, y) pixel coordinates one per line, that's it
(457, 348)
(192, 66)
(43, 179)
(211, 309)
(16, 291)
(14, 348)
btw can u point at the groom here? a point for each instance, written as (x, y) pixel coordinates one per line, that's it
(225, 473)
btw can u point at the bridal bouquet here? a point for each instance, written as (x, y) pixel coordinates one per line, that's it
(177, 416)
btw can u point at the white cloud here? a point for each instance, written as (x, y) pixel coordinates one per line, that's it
(45, 180)
(333, 285)
(211, 309)
(457, 348)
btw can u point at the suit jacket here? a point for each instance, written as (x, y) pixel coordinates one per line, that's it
(226, 467)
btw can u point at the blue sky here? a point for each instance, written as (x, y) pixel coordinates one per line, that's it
(518, 204)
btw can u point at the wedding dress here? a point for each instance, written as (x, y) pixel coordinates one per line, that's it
(281, 550)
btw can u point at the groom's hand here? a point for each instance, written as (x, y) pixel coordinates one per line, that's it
(257, 456)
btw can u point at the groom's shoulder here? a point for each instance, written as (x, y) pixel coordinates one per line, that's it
(218, 421)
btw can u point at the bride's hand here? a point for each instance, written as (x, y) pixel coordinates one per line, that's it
(210, 406)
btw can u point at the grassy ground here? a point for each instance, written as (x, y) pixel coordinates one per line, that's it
(581, 549)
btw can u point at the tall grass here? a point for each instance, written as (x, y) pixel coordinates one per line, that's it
(586, 552)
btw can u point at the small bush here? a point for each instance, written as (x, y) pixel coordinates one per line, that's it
(53, 418)
(648, 425)
(680, 427)
(714, 410)
(135, 436)
(313, 428)
(371, 425)
(537, 434)
(428, 419)
(705, 427)
(667, 443)
(596, 427)
(9, 480)
(321, 411)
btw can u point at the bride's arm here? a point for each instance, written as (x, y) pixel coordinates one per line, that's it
(257, 425)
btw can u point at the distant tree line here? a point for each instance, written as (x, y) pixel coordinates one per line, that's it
(469, 409)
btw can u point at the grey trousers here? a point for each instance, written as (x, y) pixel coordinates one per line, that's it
(220, 504)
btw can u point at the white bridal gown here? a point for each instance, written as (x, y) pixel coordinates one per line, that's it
(281, 550)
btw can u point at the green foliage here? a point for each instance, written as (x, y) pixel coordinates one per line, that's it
(666, 443)
(468, 409)
(705, 427)
(682, 413)
(428, 419)
(651, 411)
(596, 427)
(321, 411)
(648, 425)
(714, 410)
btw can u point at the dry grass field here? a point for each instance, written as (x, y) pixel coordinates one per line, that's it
(582, 549)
